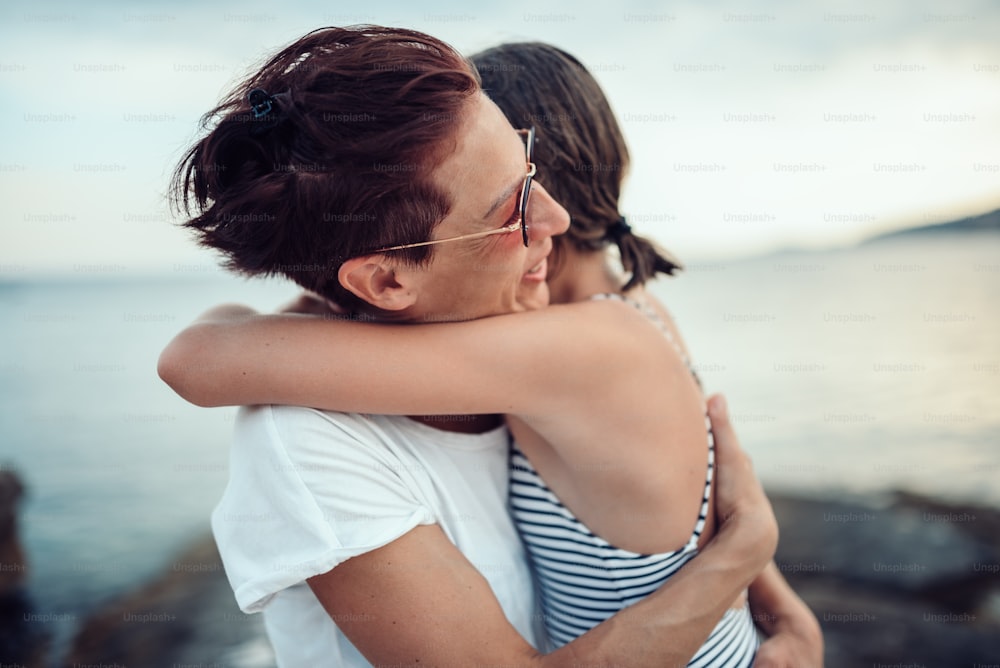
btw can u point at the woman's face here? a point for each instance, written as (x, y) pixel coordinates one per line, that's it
(484, 178)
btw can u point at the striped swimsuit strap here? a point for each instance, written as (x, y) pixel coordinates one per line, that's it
(653, 316)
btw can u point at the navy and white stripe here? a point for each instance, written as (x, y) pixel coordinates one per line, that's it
(584, 579)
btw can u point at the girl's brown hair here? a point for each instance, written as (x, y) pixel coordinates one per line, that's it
(581, 153)
(331, 158)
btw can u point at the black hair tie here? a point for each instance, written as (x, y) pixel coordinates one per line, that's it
(619, 229)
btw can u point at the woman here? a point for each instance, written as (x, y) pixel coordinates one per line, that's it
(606, 524)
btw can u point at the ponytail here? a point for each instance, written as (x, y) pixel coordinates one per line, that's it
(641, 258)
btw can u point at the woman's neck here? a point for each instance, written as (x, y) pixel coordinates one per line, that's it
(581, 275)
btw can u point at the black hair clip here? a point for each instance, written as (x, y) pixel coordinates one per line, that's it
(264, 112)
(261, 103)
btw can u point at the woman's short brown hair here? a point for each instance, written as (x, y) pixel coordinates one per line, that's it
(336, 160)
(581, 153)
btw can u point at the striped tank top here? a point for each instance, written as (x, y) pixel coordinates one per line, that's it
(584, 580)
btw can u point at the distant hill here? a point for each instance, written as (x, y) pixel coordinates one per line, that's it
(987, 222)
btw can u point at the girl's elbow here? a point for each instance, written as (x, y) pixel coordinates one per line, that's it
(179, 370)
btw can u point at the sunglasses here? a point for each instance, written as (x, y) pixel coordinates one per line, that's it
(519, 224)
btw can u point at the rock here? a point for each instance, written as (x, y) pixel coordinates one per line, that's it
(22, 643)
(187, 616)
(865, 627)
(907, 581)
(899, 547)
(13, 566)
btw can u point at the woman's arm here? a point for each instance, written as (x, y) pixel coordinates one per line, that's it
(526, 363)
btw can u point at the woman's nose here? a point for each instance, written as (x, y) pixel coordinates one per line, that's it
(546, 217)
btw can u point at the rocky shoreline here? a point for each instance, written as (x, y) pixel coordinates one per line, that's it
(186, 618)
(20, 641)
(901, 581)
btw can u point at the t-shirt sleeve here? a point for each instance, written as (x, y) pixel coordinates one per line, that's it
(307, 491)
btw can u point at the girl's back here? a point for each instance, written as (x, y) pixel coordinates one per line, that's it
(618, 454)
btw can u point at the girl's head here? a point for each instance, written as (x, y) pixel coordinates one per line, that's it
(581, 154)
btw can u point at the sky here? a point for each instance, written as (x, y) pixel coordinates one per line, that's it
(753, 126)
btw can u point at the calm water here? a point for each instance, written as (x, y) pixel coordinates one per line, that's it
(861, 370)
(858, 371)
(121, 473)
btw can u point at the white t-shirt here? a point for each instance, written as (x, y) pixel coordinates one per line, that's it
(310, 489)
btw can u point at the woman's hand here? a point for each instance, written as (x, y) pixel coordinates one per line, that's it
(740, 503)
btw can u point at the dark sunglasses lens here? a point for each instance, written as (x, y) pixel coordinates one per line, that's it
(529, 150)
(525, 196)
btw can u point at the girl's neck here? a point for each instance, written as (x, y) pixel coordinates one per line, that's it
(581, 275)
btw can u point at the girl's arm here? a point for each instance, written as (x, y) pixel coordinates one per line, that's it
(526, 363)
(795, 639)
(794, 635)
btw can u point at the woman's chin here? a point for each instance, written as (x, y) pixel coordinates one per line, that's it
(534, 298)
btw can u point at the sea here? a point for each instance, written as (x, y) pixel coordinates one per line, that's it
(854, 371)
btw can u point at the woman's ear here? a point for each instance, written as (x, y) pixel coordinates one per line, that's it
(375, 280)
